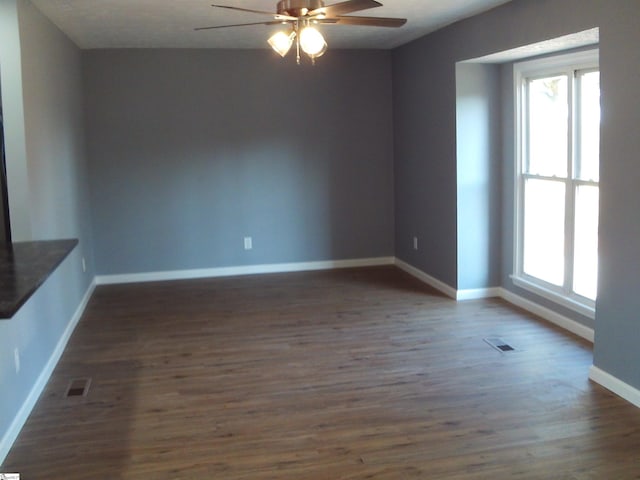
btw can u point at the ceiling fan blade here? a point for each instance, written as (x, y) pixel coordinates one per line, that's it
(368, 21)
(274, 22)
(277, 16)
(342, 8)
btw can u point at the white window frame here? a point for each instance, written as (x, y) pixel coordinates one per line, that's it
(565, 64)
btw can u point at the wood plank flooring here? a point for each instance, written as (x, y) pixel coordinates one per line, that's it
(349, 374)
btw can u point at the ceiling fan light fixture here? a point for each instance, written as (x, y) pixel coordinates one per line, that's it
(301, 18)
(281, 42)
(312, 42)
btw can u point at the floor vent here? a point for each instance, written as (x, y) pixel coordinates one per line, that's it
(499, 344)
(78, 387)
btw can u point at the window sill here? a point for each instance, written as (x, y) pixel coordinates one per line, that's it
(562, 300)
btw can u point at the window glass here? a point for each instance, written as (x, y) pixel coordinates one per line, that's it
(585, 266)
(548, 123)
(544, 230)
(588, 154)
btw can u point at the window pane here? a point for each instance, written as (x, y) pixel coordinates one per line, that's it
(585, 264)
(589, 126)
(548, 118)
(544, 230)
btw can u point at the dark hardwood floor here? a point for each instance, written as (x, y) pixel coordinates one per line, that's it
(350, 374)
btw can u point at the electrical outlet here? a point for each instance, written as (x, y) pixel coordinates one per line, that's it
(84, 265)
(415, 243)
(248, 243)
(16, 358)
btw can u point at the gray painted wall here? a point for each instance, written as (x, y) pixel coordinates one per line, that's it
(617, 348)
(55, 195)
(479, 175)
(424, 106)
(425, 153)
(191, 150)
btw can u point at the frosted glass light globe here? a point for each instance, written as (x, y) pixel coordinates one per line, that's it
(281, 42)
(312, 42)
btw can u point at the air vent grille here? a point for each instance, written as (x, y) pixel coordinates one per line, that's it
(499, 344)
(78, 387)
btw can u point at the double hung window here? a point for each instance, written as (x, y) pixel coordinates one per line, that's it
(557, 175)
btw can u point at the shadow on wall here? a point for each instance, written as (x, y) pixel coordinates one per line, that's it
(479, 173)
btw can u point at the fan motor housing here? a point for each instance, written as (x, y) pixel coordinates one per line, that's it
(298, 8)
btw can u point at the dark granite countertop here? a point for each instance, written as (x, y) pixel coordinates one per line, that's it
(24, 266)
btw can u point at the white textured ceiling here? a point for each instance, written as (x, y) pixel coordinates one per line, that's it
(170, 23)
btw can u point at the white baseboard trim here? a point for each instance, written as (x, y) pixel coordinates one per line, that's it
(448, 290)
(25, 410)
(477, 293)
(615, 385)
(473, 294)
(560, 320)
(243, 270)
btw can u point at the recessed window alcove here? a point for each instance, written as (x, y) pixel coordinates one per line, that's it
(485, 161)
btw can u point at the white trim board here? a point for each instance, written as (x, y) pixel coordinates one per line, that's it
(472, 294)
(560, 320)
(567, 302)
(476, 293)
(615, 385)
(439, 285)
(242, 270)
(599, 376)
(41, 382)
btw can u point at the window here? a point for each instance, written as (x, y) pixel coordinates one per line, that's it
(557, 174)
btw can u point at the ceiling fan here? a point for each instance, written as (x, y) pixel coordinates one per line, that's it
(302, 17)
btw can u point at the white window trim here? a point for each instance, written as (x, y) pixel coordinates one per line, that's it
(558, 64)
